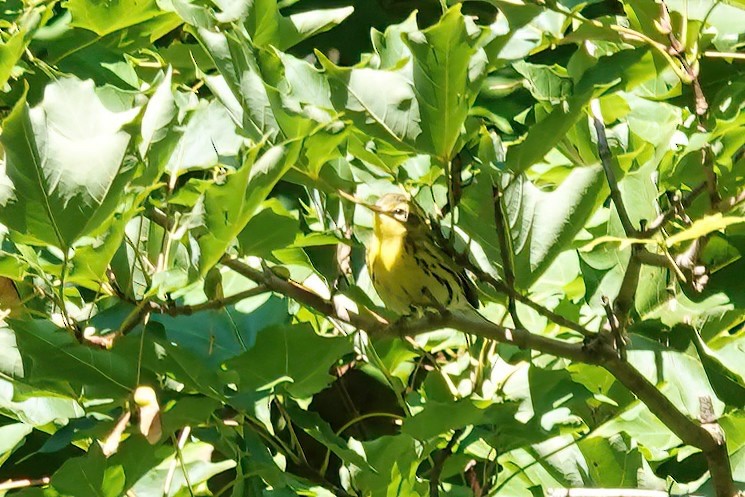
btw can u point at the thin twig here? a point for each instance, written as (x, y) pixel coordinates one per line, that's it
(505, 249)
(624, 301)
(13, 484)
(731, 202)
(555, 318)
(172, 467)
(607, 161)
(615, 329)
(670, 213)
(439, 462)
(724, 55)
(218, 303)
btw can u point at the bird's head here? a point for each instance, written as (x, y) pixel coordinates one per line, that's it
(394, 216)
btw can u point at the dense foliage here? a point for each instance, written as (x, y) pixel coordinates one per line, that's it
(187, 309)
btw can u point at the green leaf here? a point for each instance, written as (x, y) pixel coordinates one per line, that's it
(320, 430)
(89, 475)
(685, 377)
(290, 355)
(542, 223)
(208, 137)
(546, 134)
(93, 254)
(438, 418)
(448, 70)
(197, 467)
(12, 436)
(522, 30)
(159, 113)
(64, 160)
(702, 227)
(241, 89)
(395, 459)
(229, 207)
(303, 25)
(621, 461)
(69, 368)
(267, 26)
(271, 228)
(214, 336)
(11, 51)
(729, 386)
(105, 18)
(34, 406)
(549, 83)
(393, 116)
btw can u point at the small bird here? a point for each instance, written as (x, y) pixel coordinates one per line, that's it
(409, 270)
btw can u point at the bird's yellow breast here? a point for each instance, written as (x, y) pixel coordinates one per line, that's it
(385, 254)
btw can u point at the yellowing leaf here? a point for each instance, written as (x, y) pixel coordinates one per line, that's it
(703, 227)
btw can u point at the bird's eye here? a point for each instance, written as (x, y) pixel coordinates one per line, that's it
(400, 214)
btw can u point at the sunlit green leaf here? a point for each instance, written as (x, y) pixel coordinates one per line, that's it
(64, 161)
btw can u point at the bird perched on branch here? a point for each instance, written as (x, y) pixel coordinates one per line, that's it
(408, 269)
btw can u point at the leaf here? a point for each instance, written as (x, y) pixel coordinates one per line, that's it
(89, 475)
(12, 436)
(230, 206)
(93, 254)
(267, 26)
(35, 407)
(157, 354)
(549, 83)
(159, 113)
(291, 356)
(448, 70)
(235, 60)
(208, 137)
(639, 423)
(542, 223)
(729, 386)
(105, 18)
(64, 159)
(53, 358)
(522, 30)
(702, 227)
(685, 377)
(198, 467)
(303, 25)
(271, 228)
(621, 465)
(545, 134)
(319, 429)
(213, 336)
(393, 116)
(11, 51)
(395, 460)
(438, 418)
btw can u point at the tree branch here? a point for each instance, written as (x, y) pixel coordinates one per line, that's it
(501, 287)
(711, 442)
